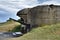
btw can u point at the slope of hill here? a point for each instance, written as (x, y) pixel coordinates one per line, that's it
(48, 32)
(9, 25)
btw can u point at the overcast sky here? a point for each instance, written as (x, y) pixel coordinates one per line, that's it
(9, 8)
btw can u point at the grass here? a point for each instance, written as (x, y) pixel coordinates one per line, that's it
(48, 32)
(7, 26)
(16, 29)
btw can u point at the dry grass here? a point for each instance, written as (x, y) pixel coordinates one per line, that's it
(48, 32)
(8, 26)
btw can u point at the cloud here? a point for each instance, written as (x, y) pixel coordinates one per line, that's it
(14, 5)
(9, 8)
(19, 3)
(48, 2)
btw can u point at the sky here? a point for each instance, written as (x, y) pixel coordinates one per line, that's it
(9, 8)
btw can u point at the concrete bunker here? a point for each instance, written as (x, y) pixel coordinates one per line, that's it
(40, 15)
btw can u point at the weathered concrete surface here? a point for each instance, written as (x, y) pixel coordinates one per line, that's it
(41, 15)
(5, 36)
(23, 14)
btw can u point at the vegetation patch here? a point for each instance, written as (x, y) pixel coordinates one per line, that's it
(8, 25)
(16, 29)
(48, 32)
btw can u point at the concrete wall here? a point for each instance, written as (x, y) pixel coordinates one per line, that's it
(41, 15)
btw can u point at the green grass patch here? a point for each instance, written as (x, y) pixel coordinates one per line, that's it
(48, 32)
(8, 25)
(16, 29)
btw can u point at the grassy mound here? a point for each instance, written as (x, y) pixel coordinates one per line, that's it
(9, 25)
(48, 32)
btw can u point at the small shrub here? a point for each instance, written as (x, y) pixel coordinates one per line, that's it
(16, 29)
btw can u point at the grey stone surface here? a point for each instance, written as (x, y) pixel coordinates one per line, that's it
(41, 15)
